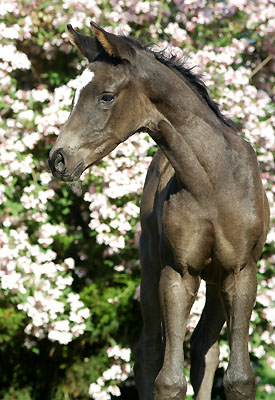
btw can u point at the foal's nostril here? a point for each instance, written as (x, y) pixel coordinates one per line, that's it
(59, 162)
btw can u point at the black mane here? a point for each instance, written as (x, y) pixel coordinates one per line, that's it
(195, 81)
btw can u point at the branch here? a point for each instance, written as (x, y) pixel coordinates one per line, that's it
(260, 66)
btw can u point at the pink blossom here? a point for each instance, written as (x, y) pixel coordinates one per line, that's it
(178, 34)
(40, 95)
(31, 139)
(70, 262)
(10, 32)
(61, 337)
(15, 58)
(10, 6)
(114, 390)
(117, 352)
(271, 361)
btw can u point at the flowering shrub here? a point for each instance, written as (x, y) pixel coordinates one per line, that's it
(69, 259)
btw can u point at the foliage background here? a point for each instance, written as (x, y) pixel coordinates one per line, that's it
(69, 300)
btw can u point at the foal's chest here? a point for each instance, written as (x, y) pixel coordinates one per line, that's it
(202, 238)
(187, 231)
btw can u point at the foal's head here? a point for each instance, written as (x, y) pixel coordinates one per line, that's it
(109, 105)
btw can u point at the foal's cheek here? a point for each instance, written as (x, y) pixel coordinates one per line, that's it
(101, 118)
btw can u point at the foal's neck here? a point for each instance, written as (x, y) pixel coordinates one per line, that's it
(190, 135)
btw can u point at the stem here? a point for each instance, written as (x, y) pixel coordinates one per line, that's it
(34, 177)
(260, 66)
(159, 17)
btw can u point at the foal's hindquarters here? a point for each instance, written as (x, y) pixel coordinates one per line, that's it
(179, 245)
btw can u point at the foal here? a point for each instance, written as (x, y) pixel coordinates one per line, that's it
(204, 213)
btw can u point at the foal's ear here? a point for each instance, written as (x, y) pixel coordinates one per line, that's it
(115, 46)
(88, 46)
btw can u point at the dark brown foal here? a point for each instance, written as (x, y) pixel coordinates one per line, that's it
(204, 213)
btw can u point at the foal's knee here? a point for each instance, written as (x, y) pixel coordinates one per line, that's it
(239, 385)
(170, 387)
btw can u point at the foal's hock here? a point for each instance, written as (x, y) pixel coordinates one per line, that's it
(204, 213)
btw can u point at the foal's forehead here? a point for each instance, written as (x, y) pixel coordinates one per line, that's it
(102, 74)
(82, 81)
(85, 78)
(108, 75)
(102, 68)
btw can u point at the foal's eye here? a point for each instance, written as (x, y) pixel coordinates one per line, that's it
(107, 98)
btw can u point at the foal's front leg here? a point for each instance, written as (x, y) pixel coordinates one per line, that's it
(239, 292)
(149, 354)
(177, 294)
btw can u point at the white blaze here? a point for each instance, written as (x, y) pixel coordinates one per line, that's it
(81, 81)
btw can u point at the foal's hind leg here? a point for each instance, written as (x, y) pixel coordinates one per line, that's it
(177, 294)
(239, 292)
(204, 345)
(149, 352)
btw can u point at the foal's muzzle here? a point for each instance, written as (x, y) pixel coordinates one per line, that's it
(59, 164)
